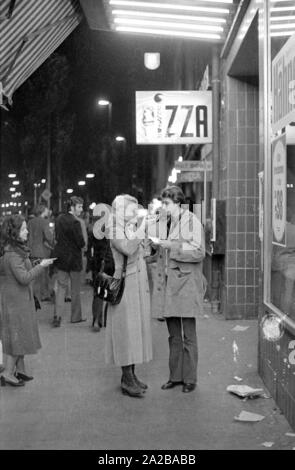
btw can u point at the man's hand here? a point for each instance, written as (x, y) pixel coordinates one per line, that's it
(167, 244)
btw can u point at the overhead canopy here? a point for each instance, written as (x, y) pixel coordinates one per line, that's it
(30, 30)
(207, 20)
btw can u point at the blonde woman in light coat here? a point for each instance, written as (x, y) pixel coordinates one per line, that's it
(128, 331)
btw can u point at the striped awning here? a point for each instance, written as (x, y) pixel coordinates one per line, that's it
(30, 30)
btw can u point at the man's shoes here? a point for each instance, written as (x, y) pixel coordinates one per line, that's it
(46, 299)
(68, 299)
(188, 388)
(170, 384)
(79, 321)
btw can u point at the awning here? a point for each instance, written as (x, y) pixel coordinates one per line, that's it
(30, 30)
(207, 20)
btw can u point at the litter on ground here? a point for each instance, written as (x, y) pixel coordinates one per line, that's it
(247, 416)
(267, 444)
(235, 351)
(238, 379)
(240, 328)
(244, 391)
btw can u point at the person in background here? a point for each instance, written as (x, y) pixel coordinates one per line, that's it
(128, 339)
(84, 221)
(101, 258)
(40, 242)
(19, 327)
(178, 292)
(68, 251)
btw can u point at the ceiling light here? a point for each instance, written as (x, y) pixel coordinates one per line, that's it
(11, 189)
(11, 175)
(170, 6)
(15, 183)
(161, 32)
(152, 60)
(282, 9)
(282, 33)
(282, 26)
(282, 18)
(166, 24)
(151, 14)
(70, 191)
(90, 175)
(81, 183)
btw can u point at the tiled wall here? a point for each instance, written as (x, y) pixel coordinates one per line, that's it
(239, 187)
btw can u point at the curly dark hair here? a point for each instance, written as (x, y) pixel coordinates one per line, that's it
(10, 228)
(174, 193)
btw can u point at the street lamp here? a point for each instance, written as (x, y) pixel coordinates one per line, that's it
(108, 104)
(120, 138)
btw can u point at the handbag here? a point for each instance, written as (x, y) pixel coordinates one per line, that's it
(109, 288)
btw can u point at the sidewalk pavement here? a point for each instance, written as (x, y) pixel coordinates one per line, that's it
(75, 402)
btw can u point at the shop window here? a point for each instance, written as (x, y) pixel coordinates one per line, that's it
(282, 243)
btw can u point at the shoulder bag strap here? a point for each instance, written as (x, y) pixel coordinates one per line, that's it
(124, 266)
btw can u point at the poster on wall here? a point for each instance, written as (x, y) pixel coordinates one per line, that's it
(283, 86)
(261, 210)
(279, 190)
(173, 117)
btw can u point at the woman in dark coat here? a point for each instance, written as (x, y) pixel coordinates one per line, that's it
(18, 320)
(100, 258)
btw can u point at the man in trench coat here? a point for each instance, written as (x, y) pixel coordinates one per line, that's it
(178, 294)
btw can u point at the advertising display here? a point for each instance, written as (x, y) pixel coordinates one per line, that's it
(173, 117)
(279, 190)
(283, 89)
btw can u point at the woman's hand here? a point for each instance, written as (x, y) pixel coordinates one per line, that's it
(47, 262)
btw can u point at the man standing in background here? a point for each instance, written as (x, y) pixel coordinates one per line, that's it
(68, 251)
(40, 241)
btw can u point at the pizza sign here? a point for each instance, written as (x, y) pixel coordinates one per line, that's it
(173, 117)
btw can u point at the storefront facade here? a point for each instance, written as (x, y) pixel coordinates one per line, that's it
(257, 181)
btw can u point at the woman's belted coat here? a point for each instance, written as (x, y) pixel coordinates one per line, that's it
(128, 332)
(178, 282)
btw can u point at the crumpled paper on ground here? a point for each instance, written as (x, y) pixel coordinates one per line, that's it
(247, 416)
(267, 444)
(240, 328)
(244, 391)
